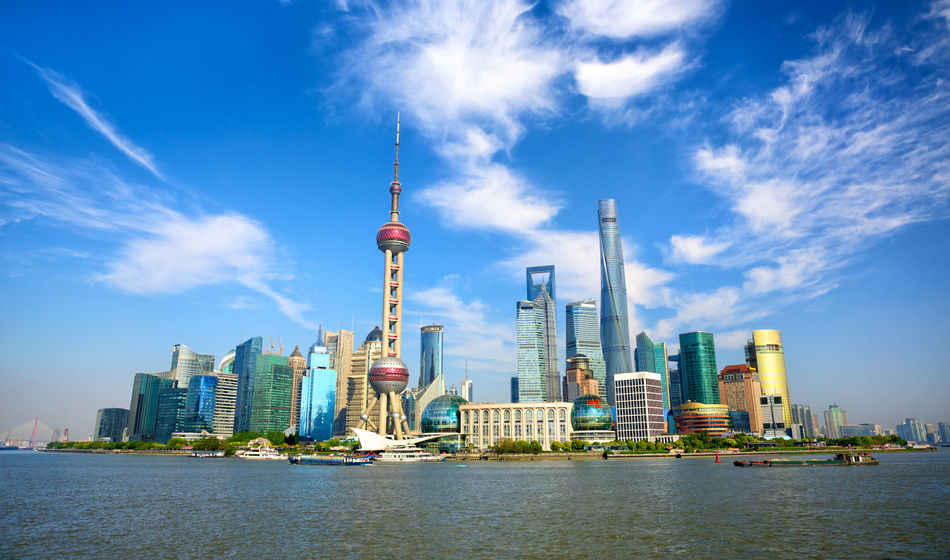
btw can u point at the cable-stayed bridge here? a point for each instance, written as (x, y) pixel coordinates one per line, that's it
(31, 433)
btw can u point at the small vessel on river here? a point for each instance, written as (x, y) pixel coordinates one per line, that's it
(841, 459)
(408, 455)
(333, 460)
(260, 452)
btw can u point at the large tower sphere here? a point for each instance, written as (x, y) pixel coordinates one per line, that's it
(590, 412)
(393, 236)
(389, 375)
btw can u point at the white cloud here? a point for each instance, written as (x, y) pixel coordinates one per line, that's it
(629, 76)
(72, 96)
(623, 19)
(695, 249)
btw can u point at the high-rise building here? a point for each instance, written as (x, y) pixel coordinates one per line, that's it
(766, 354)
(698, 373)
(514, 389)
(317, 397)
(583, 337)
(466, 389)
(639, 406)
(579, 379)
(834, 419)
(110, 423)
(339, 346)
(430, 354)
(912, 430)
(271, 398)
(739, 389)
(246, 356)
(389, 375)
(614, 330)
(802, 414)
(532, 380)
(652, 357)
(226, 365)
(143, 408)
(298, 365)
(540, 278)
(675, 392)
(199, 404)
(225, 398)
(187, 363)
(943, 430)
(357, 386)
(773, 415)
(540, 284)
(171, 410)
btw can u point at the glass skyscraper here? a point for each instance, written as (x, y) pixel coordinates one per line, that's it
(652, 357)
(143, 409)
(430, 365)
(540, 278)
(531, 371)
(171, 410)
(272, 395)
(246, 356)
(187, 363)
(766, 354)
(200, 404)
(318, 397)
(614, 331)
(698, 373)
(583, 337)
(110, 423)
(540, 290)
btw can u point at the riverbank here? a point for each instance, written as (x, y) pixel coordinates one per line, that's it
(599, 455)
(181, 452)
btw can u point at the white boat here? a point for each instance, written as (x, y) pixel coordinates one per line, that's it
(260, 452)
(207, 454)
(407, 455)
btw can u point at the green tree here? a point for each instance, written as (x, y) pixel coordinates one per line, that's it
(534, 447)
(555, 446)
(176, 443)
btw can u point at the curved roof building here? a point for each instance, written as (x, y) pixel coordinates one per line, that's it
(442, 415)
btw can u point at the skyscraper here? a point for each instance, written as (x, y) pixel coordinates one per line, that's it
(466, 389)
(802, 414)
(739, 389)
(698, 373)
(583, 337)
(339, 346)
(614, 331)
(199, 404)
(271, 397)
(225, 400)
(912, 430)
(430, 365)
(143, 409)
(318, 397)
(543, 299)
(187, 363)
(298, 365)
(171, 410)
(532, 383)
(765, 354)
(110, 423)
(246, 356)
(389, 375)
(357, 384)
(652, 357)
(639, 406)
(834, 419)
(540, 278)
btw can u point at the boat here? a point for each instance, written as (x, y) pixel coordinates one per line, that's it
(408, 454)
(259, 452)
(207, 454)
(841, 459)
(333, 460)
(6, 447)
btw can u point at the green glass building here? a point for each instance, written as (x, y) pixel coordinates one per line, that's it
(273, 388)
(649, 356)
(698, 372)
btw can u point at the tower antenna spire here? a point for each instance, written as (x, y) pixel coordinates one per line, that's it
(395, 188)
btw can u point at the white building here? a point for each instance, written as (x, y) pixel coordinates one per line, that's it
(639, 398)
(773, 419)
(484, 425)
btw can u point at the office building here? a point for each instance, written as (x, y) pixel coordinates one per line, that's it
(773, 415)
(765, 354)
(466, 389)
(649, 356)
(246, 356)
(532, 378)
(675, 392)
(143, 408)
(739, 389)
(187, 363)
(538, 279)
(694, 417)
(483, 425)
(225, 400)
(271, 397)
(298, 367)
(200, 404)
(580, 379)
(317, 397)
(171, 410)
(540, 284)
(339, 346)
(583, 337)
(834, 419)
(110, 423)
(639, 406)
(802, 414)
(739, 422)
(614, 329)
(514, 389)
(430, 365)
(943, 432)
(357, 387)
(697, 366)
(226, 365)
(912, 430)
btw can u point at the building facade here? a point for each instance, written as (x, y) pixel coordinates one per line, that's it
(834, 419)
(246, 356)
(171, 410)
(225, 399)
(200, 404)
(802, 414)
(272, 397)
(187, 363)
(739, 389)
(298, 367)
(765, 353)
(111, 423)
(339, 345)
(430, 365)
(143, 408)
(614, 328)
(582, 336)
(357, 386)
(650, 356)
(317, 397)
(697, 366)
(694, 417)
(532, 378)
(912, 430)
(639, 406)
(773, 415)
(540, 284)
(484, 425)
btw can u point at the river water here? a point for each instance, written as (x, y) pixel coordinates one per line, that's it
(134, 506)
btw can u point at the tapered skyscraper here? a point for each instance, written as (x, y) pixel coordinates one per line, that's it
(540, 283)
(614, 332)
(389, 375)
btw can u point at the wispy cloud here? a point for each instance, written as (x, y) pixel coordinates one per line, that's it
(628, 76)
(73, 97)
(624, 19)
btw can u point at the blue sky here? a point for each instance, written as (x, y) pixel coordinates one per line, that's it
(199, 173)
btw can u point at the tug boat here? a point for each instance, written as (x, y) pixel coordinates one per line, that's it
(841, 459)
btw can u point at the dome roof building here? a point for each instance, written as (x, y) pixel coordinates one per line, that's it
(375, 334)
(442, 415)
(592, 419)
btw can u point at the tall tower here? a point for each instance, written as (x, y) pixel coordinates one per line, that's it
(766, 354)
(614, 330)
(583, 337)
(389, 375)
(540, 284)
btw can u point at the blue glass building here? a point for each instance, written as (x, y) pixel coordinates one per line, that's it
(317, 397)
(110, 423)
(540, 290)
(614, 329)
(246, 356)
(540, 278)
(532, 386)
(171, 410)
(583, 337)
(144, 407)
(199, 404)
(430, 365)
(652, 357)
(514, 389)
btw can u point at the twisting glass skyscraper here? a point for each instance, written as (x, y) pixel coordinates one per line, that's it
(614, 332)
(583, 337)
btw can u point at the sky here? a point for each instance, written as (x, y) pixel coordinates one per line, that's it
(200, 173)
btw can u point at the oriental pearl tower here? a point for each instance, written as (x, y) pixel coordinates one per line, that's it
(389, 375)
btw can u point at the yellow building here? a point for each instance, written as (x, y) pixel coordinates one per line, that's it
(298, 364)
(340, 347)
(357, 386)
(766, 354)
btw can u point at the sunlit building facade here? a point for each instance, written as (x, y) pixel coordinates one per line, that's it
(650, 356)
(200, 404)
(582, 336)
(317, 397)
(298, 367)
(765, 353)
(639, 406)
(246, 357)
(531, 353)
(694, 417)
(339, 346)
(698, 372)
(271, 398)
(357, 387)
(739, 389)
(614, 328)
(186, 363)
(110, 424)
(171, 410)
(484, 425)
(225, 398)
(430, 354)
(834, 419)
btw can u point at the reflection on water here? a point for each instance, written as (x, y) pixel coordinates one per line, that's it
(109, 506)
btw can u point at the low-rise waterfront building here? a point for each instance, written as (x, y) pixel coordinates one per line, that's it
(485, 424)
(694, 417)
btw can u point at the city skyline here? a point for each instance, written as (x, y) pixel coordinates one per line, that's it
(226, 192)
